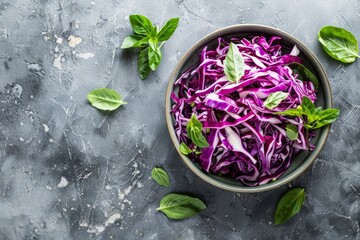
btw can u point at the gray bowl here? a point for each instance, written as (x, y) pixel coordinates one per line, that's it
(302, 160)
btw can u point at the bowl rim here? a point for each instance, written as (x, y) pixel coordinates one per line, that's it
(308, 161)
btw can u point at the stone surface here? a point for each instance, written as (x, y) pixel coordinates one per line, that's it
(68, 171)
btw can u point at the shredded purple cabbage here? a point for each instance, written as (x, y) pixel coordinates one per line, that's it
(247, 141)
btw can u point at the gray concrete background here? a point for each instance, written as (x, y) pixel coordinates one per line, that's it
(68, 171)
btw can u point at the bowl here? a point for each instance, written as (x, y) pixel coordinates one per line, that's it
(302, 160)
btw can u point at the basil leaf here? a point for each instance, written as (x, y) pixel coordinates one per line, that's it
(180, 206)
(160, 176)
(274, 99)
(296, 112)
(292, 132)
(153, 42)
(143, 63)
(134, 41)
(289, 205)
(105, 99)
(184, 149)
(234, 64)
(339, 43)
(141, 24)
(326, 117)
(308, 106)
(168, 29)
(304, 74)
(154, 56)
(194, 131)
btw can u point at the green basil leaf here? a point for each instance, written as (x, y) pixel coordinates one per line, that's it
(292, 132)
(194, 131)
(143, 63)
(153, 43)
(130, 42)
(289, 205)
(234, 64)
(326, 117)
(141, 24)
(274, 99)
(304, 74)
(160, 176)
(308, 106)
(180, 206)
(168, 29)
(184, 149)
(105, 99)
(295, 112)
(154, 56)
(339, 43)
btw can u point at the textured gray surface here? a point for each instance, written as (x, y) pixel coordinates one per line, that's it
(68, 171)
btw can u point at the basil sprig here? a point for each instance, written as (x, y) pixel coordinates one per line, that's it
(150, 40)
(105, 99)
(194, 131)
(234, 64)
(180, 206)
(289, 205)
(160, 176)
(313, 117)
(339, 44)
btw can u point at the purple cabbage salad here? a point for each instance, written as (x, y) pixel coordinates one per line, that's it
(244, 137)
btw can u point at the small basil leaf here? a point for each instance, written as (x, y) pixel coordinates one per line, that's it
(296, 112)
(194, 131)
(168, 29)
(184, 149)
(154, 56)
(234, 64)
(180, 206)
(105, 99)
(304, 74)
(292, 132)
(274, 99)
(153, 42)
(141, 24)
(160, 176)
(289, 205)
(143, 63)
(130, 41)
(326, 117)
(339, 43)
(134, 41)
(308, 106)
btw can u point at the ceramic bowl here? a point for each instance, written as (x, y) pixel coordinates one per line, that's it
(301, 161)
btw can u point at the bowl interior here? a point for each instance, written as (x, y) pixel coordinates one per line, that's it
(303, 159)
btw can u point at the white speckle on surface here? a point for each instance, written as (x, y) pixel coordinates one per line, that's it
(74, 41)
(16, 90)
(112, 219)
(51, 140)
(85, 55)
(46, 128)
(63, 182)
(21, 123)
(56, 49)
(36, 67)
(21, 139)
(48, 187)
(96, 229)
(139, 185)
(59, 40)
(58, 61)
(92, 2)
